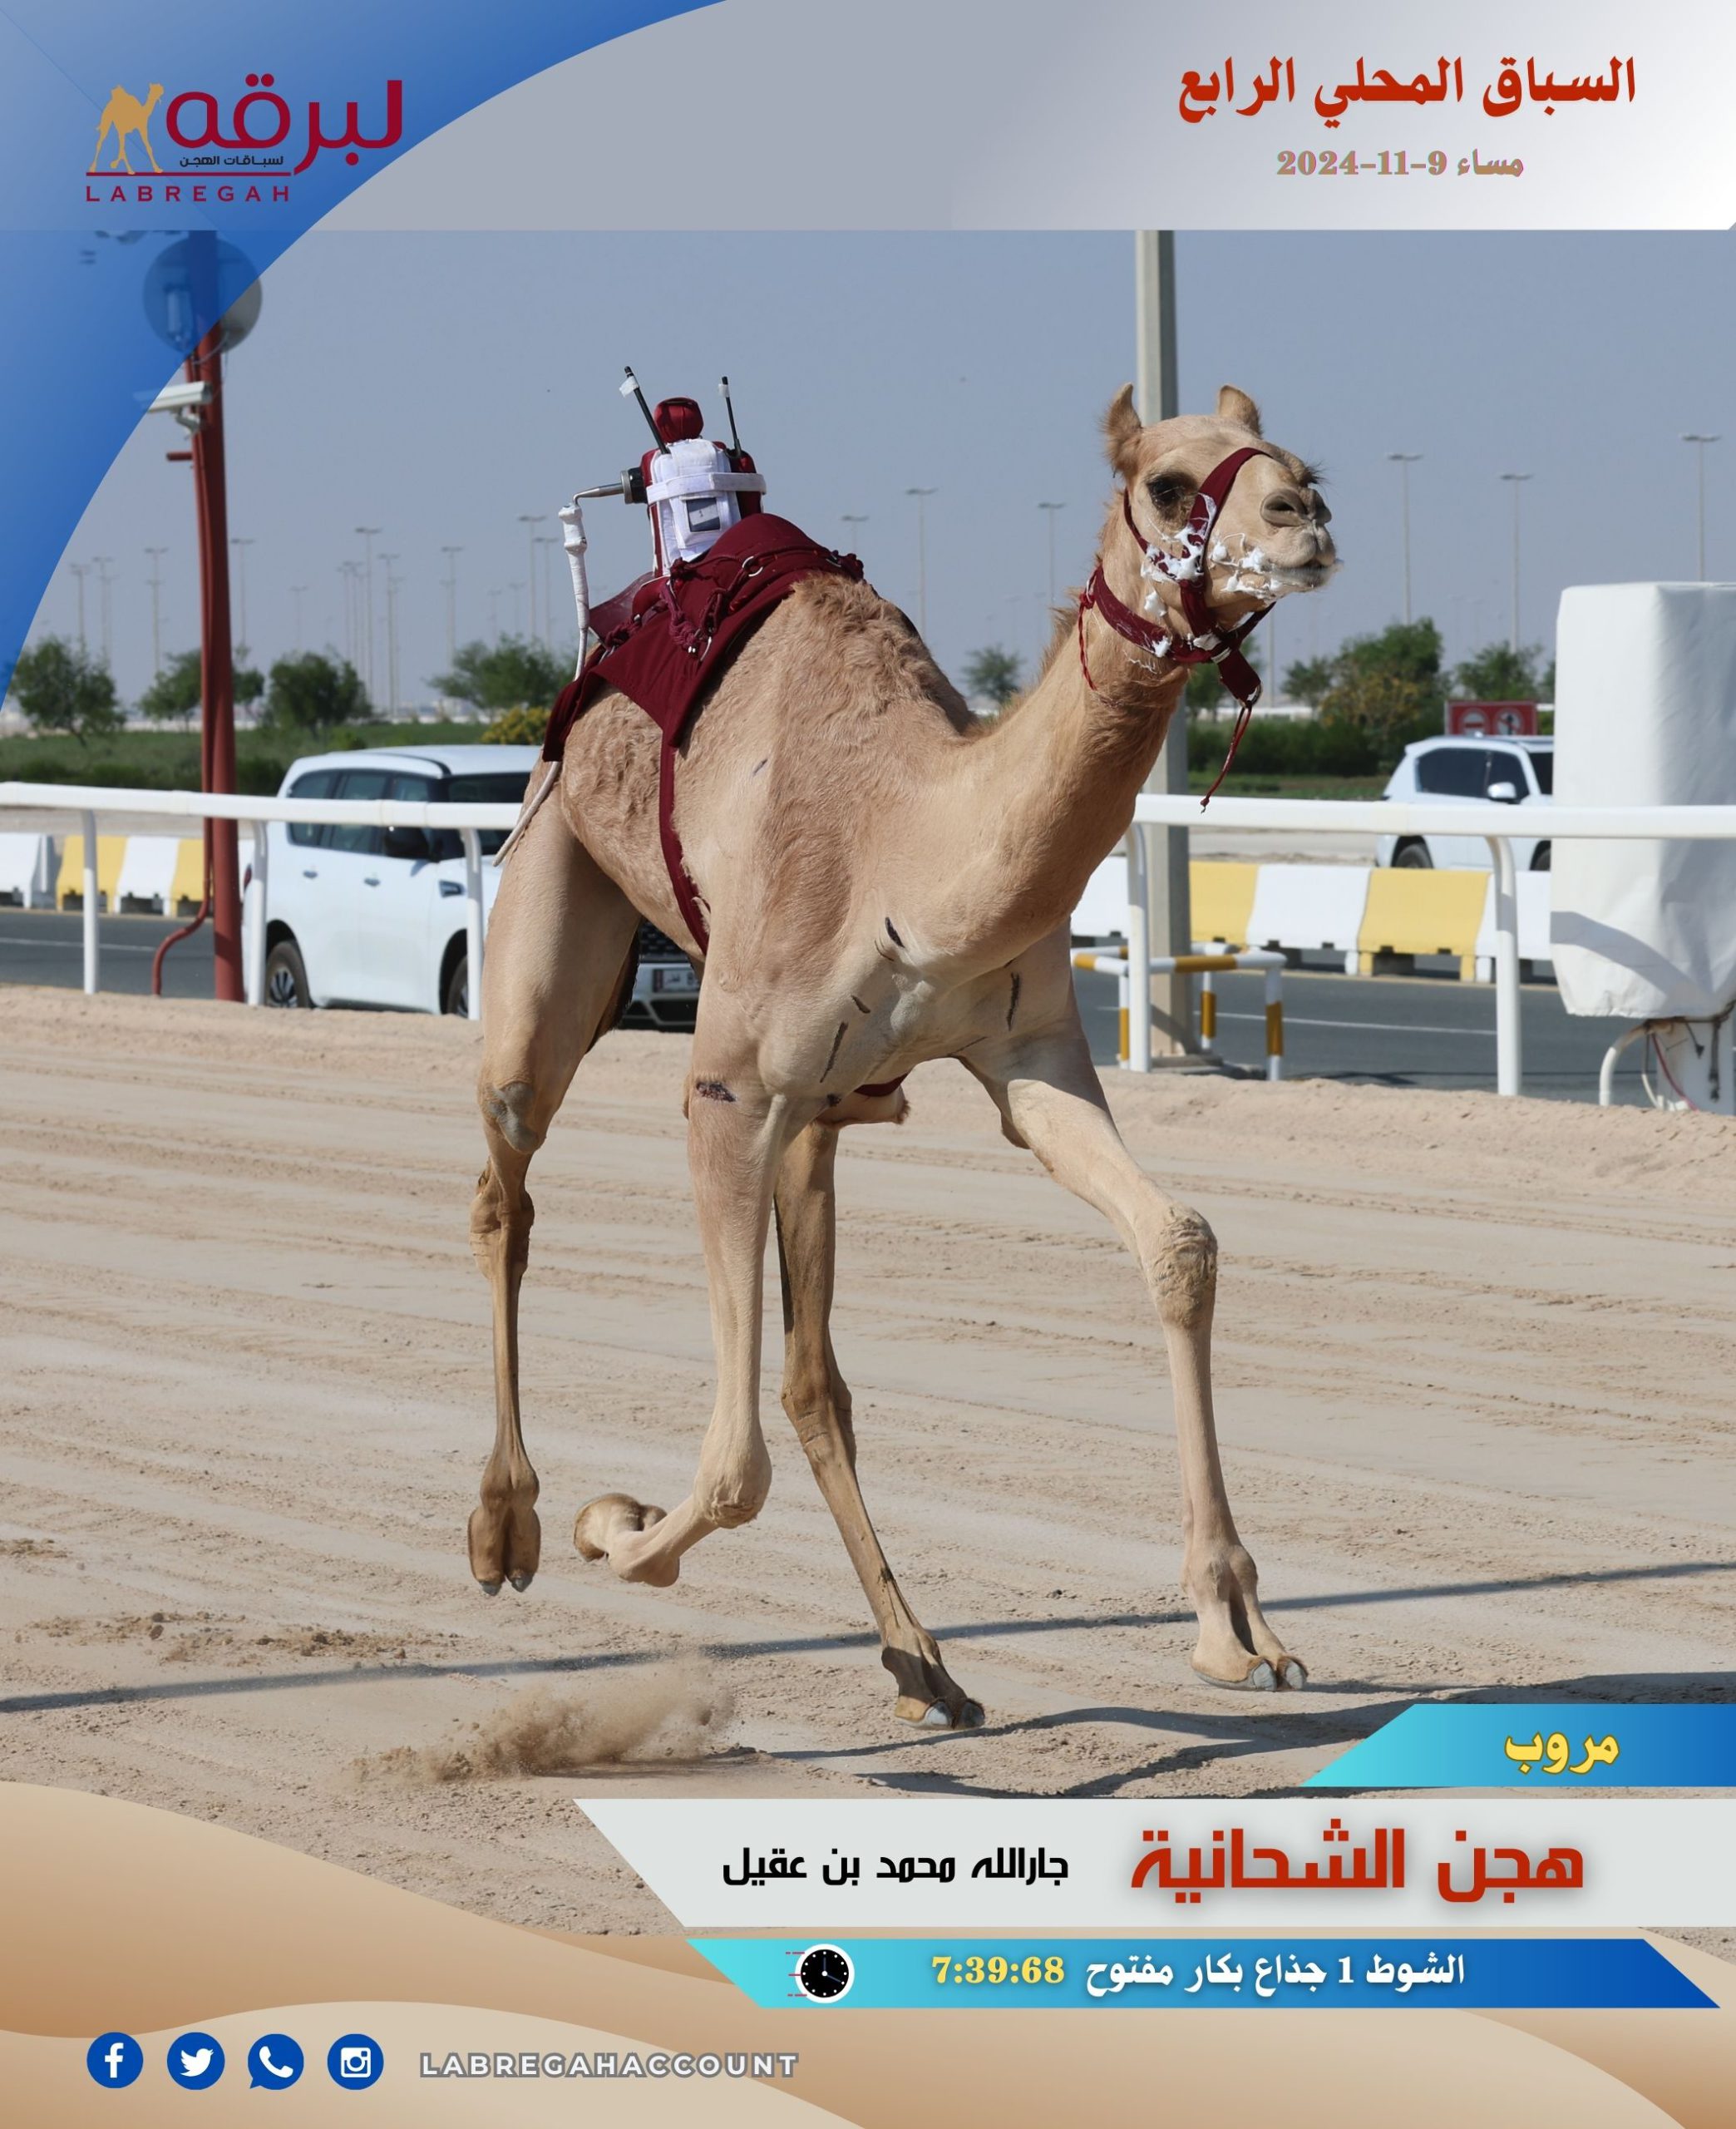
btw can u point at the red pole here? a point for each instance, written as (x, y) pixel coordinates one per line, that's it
(217, 673)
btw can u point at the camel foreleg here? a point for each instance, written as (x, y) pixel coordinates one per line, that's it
(817, 1399)
(1048, 1094)
(559, 932)
(736, 1136)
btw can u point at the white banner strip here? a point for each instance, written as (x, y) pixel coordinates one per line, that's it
(1290, 1864)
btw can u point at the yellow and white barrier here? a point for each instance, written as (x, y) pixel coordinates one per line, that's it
(1355, 911)
(164, 871)
(1207, 966)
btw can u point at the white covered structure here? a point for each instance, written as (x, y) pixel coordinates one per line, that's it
(1645, 715)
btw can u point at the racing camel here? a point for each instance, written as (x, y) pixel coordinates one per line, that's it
(886, 879)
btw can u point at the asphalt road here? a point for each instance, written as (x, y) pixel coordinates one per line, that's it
(1405, 1031)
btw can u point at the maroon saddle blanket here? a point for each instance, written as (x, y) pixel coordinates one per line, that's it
(663, 641)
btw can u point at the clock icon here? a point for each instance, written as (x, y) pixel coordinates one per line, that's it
(824, 1973)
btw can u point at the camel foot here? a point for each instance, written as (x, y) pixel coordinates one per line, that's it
(926, 1695)
(1254, 1674)
(505, 1545)
(606, 1528)
(967, 1715)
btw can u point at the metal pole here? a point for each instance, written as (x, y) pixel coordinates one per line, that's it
(1699, 442)
(105, 610)
(472, 920)
(92, 935)
(530, 524)
(1274, 1023)
(254, 913)
(922, 496)
(1167, 903)
(156, 556)
(451, 554)
(241, 547)
(1517, 479)
(1509, 1059)
(367, 532)
(1138, 1043)
(78, 569)
(1405, 460)
(392, 588)
(1048, 510)
(217, 665)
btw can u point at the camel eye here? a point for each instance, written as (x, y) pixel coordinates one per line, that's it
(1171, 495)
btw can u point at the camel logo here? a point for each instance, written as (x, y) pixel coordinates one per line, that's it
(244, 147)
(124, 116)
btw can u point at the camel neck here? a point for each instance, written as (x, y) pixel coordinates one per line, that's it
(1054, 785)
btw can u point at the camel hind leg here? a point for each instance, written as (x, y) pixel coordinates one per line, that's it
(559, 944)
(817, 1401)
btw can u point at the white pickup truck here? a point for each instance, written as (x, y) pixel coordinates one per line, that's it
(375, 917)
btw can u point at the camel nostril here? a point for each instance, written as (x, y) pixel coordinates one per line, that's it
(1283, 507)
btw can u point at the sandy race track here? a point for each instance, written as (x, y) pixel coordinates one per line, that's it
(1475, 1389)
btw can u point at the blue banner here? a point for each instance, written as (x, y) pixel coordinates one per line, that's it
(1546, 1747)
(1192, 1973)
(123, 129)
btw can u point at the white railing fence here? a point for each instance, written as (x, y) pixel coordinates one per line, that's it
(1497, 824)
(80, 806)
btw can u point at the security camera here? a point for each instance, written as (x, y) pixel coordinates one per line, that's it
(179, 399)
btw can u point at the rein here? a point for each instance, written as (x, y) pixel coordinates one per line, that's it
(1205, 640)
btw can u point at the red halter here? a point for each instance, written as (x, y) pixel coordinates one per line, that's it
(1205, 638)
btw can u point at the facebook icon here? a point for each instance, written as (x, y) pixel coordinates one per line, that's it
(114, 2058)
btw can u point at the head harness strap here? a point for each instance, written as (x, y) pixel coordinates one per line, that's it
(1205, 640)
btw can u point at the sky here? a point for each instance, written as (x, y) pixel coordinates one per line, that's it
(441, 386)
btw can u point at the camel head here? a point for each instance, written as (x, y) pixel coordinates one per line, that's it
(1269, 537)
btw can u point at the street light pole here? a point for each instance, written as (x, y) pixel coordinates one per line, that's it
(391, 675)
(155, 580)
(548, 543)
(1700, 443)
(1048, 510)
(1517, 480)
(369, 533)
(531, 523)
(241, 546)
(80, 570)
(1169, 909)
(451, 554)
(922, 496)
(106, 609)
(1405, 460)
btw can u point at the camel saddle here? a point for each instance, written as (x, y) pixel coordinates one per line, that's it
(665, 640)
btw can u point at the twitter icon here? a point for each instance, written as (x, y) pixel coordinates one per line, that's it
(195, 2060)
(274, 2062)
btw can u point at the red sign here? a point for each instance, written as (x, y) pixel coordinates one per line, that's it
(1492, 720)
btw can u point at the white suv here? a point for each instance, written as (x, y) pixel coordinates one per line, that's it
(1460, 771)
(375, 917)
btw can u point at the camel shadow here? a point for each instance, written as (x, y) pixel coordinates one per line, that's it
(1284, 1724)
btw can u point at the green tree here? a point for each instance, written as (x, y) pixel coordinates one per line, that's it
(1389, 686)
(995, 672)
(61, 689)
(1307, 680)
(1497, 673)
(503, 675)
(176, 692)
(312, 693)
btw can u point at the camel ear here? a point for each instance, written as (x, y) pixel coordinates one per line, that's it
(1234, 405)
(1121, 432)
